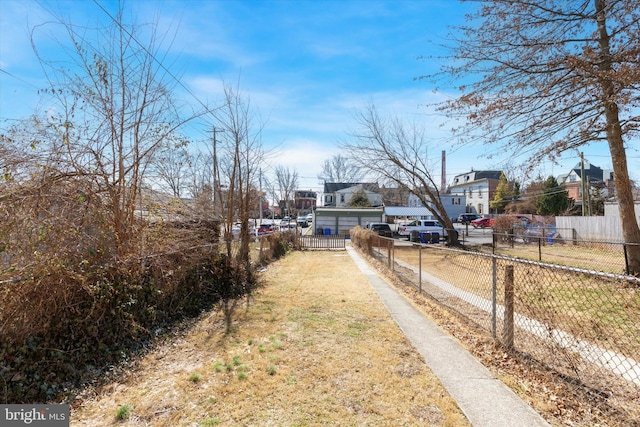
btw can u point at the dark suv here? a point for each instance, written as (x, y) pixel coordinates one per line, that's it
(382, 229)
(466, 218)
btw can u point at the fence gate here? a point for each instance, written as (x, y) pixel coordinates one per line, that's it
(334, 241)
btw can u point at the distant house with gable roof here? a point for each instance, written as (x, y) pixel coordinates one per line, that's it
(596, 179)
(478, 188)
(338, 194)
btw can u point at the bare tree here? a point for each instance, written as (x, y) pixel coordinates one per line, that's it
(200, 185)
(170, 164)
(239, 155)
(397, 153)
(340, 169)
(114, 110)
(553, 76)
(286, 182)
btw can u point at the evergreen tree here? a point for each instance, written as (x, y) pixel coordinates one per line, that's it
(554, 199)
(596, 202)
(359, 199)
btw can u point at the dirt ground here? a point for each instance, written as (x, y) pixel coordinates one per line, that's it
(316, 347)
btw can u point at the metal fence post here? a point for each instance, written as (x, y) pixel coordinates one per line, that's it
(420, 268)
(507, 333)
(540, 249)
(494, 295)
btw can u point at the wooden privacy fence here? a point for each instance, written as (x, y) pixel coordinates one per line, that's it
(333, 241)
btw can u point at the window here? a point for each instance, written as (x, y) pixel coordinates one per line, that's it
(480, 208)
(479, 192)
(572, 178)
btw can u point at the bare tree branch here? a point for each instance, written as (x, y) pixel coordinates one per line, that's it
(398, 153)
(339, 169)
(551, 77)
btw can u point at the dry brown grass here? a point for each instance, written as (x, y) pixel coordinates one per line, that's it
(608, 258)
(316, 348)
(559, 402)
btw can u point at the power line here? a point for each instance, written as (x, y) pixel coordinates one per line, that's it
(18, 78)
(153, 57)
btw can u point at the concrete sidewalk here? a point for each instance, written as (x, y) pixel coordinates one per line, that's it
(484, 399)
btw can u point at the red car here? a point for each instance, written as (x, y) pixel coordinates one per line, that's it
(265, 229)
(482, 223)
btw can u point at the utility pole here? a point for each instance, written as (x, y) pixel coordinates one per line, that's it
(260, 197)
(216, 178)
(443, 174)
(582, 181)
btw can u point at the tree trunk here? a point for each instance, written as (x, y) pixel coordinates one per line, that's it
(452, 237)
(624, 194)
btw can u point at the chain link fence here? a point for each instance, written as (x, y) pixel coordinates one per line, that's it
(581, 325)
(549, 245)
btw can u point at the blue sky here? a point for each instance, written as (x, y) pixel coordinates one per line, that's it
(307, 66)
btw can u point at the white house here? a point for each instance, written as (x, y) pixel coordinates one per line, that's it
(339, 194)
(478, 188)
(454, 204)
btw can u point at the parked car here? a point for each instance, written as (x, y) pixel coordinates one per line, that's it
(302, 221)
(534, 232)
(309, 218)
(381, 228)
(482, 222)
(284, 223)
(265, 229)
(290, 227)
(420, 225)
(466, 218)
